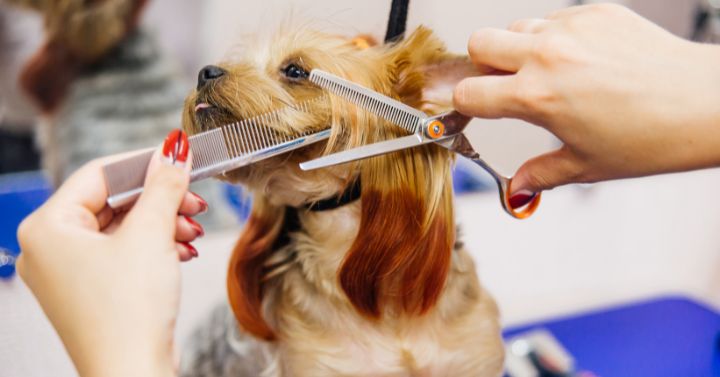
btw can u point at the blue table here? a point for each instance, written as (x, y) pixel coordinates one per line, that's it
(664, 337)
(20, 194)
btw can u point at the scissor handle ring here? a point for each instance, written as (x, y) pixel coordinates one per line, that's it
(522, 212)
(525, 211)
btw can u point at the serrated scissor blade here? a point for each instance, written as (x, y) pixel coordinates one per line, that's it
(390, 109)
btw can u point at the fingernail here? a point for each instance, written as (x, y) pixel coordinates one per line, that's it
(521, 198)
(196, 227)
(190, 249)
(201, 201)
(176, 148)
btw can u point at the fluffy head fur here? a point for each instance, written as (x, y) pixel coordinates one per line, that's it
(399, 260)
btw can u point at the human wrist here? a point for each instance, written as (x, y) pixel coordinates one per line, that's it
(689, 128)
(115, 361)
(123, 368)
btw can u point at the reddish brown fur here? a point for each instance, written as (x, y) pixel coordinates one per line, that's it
(245, 272)
(394, 259)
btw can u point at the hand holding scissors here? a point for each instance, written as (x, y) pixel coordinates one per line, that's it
(445, 130)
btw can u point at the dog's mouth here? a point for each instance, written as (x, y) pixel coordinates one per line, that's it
(205, 108)
(208, 115)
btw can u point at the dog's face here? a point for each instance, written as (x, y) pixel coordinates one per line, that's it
(273, 76)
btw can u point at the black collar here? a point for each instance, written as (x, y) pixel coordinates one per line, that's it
(350, 195)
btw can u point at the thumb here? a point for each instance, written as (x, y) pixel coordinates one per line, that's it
(545, 172)
(166, 183)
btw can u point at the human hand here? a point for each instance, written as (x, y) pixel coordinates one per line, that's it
(110, 283)
(625, 97)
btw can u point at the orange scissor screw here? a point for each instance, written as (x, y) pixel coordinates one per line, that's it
(436, 129)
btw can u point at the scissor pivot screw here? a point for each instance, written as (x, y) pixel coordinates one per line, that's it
(436, 129)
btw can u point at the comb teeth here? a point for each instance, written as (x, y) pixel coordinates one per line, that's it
(128, 174)
(215, 151)
(385, 107)
(222, 147)
(209, 148)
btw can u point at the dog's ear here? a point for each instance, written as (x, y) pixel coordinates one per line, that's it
(364, 41)
(423, 73)
(247, 266)
(48, 74)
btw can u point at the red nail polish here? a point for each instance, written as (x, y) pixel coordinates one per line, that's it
(203, 203)
(176, 147)
(196, 227)
(191, 249)
(521, 198)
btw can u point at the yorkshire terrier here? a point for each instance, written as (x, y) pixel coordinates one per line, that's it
(324, 285)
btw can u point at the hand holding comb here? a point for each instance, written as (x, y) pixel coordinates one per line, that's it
(213, 152)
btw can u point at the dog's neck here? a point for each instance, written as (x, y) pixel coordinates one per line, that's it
(324, 225)
(316, 240)
(322, 243)
(293, 215)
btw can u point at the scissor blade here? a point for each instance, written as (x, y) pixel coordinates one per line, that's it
(383, 106)
(364, 151)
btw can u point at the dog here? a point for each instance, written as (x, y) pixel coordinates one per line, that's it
(378, 286)
(100, 81)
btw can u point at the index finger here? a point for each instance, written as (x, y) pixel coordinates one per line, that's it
(502, 50)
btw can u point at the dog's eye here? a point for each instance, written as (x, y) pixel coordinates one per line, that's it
(294, 72)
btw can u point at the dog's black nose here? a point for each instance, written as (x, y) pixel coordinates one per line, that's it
(209, 73)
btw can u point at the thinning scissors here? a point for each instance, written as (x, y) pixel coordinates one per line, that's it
(445, 130)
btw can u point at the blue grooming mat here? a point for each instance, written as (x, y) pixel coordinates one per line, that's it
(20, 194)
(664, 337)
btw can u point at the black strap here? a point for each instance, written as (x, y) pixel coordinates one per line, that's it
(350, 195)
(291, 223)
(397, 21)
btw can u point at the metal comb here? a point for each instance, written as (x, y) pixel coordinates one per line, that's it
(214, 152)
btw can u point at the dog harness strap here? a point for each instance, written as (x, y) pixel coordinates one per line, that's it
(350, 195)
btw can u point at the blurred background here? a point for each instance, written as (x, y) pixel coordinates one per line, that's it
(587, 247)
